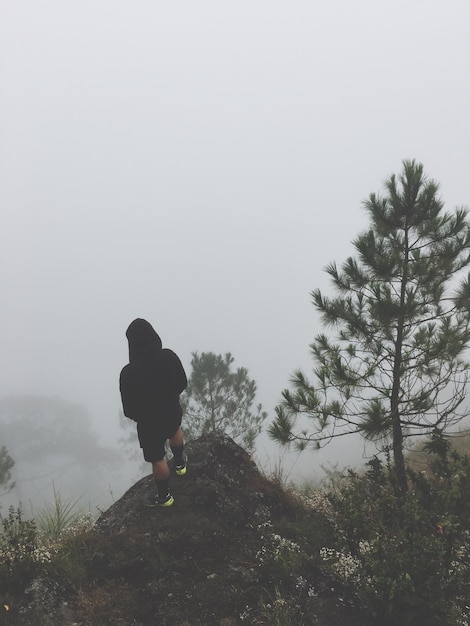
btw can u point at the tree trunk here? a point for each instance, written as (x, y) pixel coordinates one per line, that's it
(397, 432)
(398, 457)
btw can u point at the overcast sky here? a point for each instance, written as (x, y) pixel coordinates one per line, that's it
(198, 164)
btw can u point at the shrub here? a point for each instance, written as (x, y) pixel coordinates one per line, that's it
(20, 549)
(61, 516)
(407, 556)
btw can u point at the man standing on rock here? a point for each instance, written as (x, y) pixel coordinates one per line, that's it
(150, 386)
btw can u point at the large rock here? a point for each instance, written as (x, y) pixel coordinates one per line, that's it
(222, 482)
(233, 549)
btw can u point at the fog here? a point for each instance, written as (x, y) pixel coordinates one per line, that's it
(198, 164)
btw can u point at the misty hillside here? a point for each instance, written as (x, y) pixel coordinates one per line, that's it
(234, 549)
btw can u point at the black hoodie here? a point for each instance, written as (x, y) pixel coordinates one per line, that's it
(151, 383)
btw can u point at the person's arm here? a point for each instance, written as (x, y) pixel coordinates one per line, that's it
(181, 381)
(181, 378)
(125, 396)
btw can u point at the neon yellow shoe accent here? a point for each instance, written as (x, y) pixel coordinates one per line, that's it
(168, 502)
(153, 501)
(182, 469)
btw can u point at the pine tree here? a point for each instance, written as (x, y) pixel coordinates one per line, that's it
(395, 368)
(219, 398)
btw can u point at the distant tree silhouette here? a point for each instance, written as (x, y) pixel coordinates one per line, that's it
(52, 440)
(6, 465)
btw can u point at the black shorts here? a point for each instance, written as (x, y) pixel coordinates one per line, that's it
(153, 436)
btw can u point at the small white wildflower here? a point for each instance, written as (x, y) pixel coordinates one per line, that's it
(246, 614)
(300, 582)
(365, 547)
(346, 565)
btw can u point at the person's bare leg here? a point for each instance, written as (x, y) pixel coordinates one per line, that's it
(177, 447)
(160, 469)
(177, 440)
(161, 475)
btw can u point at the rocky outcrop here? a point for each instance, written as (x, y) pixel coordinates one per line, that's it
(235, 548)
(222, 482)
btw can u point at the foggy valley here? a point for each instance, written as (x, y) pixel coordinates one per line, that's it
(198, 168)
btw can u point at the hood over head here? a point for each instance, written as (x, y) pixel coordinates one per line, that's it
(143, 340)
